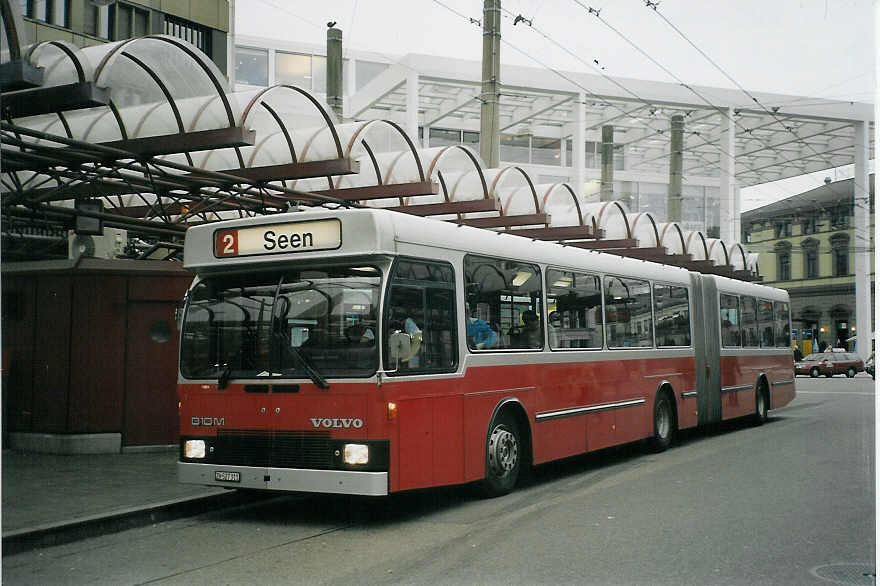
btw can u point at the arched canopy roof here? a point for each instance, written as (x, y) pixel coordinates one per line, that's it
(671, 237)
(717, 251)
(560, 203)
(737, 257)
(695, 245)
(643, 227)
(610, 218)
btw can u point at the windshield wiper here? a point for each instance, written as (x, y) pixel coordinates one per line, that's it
(313, 374)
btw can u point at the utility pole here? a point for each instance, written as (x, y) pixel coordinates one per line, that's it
(676, 162)
(334, 69)
(490, 140)
(606, 188)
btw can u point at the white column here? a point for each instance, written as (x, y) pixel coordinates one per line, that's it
(578, 142)
(861, 241)
(230, 47)
(412, 105)
(271, 67)
(727, 186)
(426, 137)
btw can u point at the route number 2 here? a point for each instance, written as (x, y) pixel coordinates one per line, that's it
(226, 243)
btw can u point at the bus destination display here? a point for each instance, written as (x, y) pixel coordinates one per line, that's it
(279, 238)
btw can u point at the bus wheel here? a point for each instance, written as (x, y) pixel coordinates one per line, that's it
(664, 422)
(814, 372)
(760, 406)
(503, 456)
(851, 372)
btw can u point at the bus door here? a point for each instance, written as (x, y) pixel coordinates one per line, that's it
(707, 347)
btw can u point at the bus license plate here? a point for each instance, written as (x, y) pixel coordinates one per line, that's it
(227, 476)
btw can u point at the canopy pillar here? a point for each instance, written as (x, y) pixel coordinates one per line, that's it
(727, 191)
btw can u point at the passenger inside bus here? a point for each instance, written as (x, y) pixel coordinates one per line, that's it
(479, 334)
(402, 322)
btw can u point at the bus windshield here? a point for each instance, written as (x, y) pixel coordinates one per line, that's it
(294, 323)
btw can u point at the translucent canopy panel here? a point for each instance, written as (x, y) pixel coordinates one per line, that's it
(752, 262)
(377, 146)
(736, 257)
(156, 69)
(611, 218)
(695, 245)
(62, 62)
(643, 227)
(510, 186)
(559, 201)
(717, 251)
(671, 237)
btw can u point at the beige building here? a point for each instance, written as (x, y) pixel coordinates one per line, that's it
(204, 23)
(806, 246)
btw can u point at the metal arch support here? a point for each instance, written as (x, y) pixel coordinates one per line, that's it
(412, 147)
(263, 92)
(473, 159)
(284, 131)
(528, 179)
(69, 50)
(571, 192)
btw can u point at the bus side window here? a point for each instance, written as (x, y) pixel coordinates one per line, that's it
(672, 320)
(504, 304)
(421, 304)
(730, 333)
(749, 322)
(766, 323)
(574, 303)
(628, 314)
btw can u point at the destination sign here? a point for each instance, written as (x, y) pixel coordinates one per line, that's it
(279, 238)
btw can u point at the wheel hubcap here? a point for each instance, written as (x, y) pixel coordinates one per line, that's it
(760, 403)
(503, 451)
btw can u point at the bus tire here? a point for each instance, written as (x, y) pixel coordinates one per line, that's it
(814, 372)
(761, 405)
(829, 374)
(664, 423)
(504, 454)
(851, 372)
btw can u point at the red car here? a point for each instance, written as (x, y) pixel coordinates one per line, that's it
(829, 364)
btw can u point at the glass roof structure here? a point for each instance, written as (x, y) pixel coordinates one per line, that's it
(149, 128)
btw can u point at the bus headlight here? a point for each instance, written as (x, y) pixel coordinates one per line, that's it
(194, 449)
(355, 454)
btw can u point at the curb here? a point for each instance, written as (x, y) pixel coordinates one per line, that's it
(23, 540)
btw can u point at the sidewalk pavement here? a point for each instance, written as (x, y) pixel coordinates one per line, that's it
(51, 498)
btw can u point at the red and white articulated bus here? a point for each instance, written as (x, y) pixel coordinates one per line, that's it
(363, 351)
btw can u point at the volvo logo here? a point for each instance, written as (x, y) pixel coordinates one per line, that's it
(208, 421)
(337, 422)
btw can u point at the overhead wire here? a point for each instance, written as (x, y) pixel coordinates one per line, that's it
(771, 112)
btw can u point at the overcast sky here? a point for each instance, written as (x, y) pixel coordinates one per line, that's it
(818, 48)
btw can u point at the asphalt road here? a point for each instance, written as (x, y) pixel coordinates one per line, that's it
(790, 502)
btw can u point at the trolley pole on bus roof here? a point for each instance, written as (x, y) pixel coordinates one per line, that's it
(334, 69)
(490, 140)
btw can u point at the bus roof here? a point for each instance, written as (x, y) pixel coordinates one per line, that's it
(363, 232)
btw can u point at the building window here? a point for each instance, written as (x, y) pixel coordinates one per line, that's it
(840, 217)
(96, 21)
(198, 35)
(515, 148)
(811, 258)
(784, 266)
(783, 261)
(808, 226)
(839, 255)
(293, 69)
(782, 228)
(252, 66)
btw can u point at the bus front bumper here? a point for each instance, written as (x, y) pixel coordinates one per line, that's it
(286, 479)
